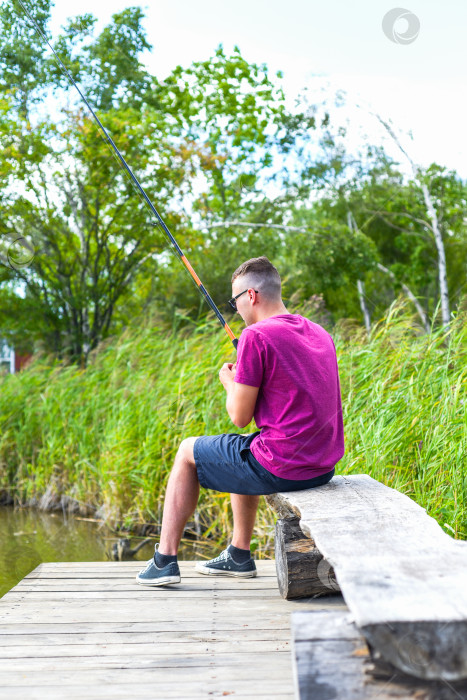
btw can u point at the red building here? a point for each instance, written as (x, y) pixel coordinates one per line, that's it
(11, 361)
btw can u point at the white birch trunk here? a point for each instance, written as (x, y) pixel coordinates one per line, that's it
(411, 296)
(360, 286)
(442, 269)
(363, 306)
(86, 334)
(432, 215)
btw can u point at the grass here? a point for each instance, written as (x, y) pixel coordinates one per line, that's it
(405, 412)
(105, 437)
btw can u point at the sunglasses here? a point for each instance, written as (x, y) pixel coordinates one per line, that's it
(233, 301)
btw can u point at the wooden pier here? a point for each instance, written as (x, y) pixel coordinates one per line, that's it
(88, 630)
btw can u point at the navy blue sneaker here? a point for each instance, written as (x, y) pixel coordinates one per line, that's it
(153, 576)
(224, 565)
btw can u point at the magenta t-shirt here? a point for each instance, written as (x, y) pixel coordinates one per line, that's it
(298, 410)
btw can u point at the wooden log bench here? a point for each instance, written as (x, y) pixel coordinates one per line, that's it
(402, 577)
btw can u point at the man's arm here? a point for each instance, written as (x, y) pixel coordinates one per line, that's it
(241, 398)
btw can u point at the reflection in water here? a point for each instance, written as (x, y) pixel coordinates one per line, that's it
(29, 536)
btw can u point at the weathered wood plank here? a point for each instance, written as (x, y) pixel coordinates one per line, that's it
(165, 636)
(129, 581)
(140, 593)
(332, 660)
(83, 613)
(127, 649)
(129, 584)
(263, 565)
(168, 610)
(191, 674)
(262, 662)
(229, 626)
(167, 691)
(128, 573)
(403, 578)
(105, 612)
(138, 690)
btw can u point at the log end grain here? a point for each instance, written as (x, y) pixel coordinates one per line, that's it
(302, 571)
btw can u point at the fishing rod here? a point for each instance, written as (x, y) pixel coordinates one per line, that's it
(153, 209)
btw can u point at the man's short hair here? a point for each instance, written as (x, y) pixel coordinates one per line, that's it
(260, 274)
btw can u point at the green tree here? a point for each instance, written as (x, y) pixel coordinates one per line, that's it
(391, 211)
(96, 246)
(23, 65)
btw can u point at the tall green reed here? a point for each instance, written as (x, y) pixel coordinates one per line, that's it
(405, 411)
(105, 437)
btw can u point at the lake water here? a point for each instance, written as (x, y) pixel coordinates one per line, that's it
(29, 536)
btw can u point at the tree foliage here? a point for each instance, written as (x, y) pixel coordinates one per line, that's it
(234, 172)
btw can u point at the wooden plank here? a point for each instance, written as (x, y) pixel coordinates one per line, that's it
(332, 660)
(156, 648)
(140, 593)
(183, 601)
(130, 585)
(167, 691)
(193, 674)
(384, 547)
(105, 612)
(262, 625)
(190, 573)
(164, 636)
(266, 618)
(262, 565)
(129, 581)
(138, 690)
(262, 661)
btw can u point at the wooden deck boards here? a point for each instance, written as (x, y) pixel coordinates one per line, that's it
(88, 630)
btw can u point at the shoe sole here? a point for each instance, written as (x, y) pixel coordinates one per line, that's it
(218, 572)
(160, 581)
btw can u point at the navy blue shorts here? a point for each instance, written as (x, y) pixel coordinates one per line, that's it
(225, 463)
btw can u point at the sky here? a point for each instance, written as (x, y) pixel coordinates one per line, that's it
(419, 84)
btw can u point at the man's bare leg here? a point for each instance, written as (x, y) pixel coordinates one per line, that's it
(181, 497)
(244, 514)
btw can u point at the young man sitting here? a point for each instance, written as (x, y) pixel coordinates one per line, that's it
(286, 377)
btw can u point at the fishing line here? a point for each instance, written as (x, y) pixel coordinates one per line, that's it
(136, 182)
